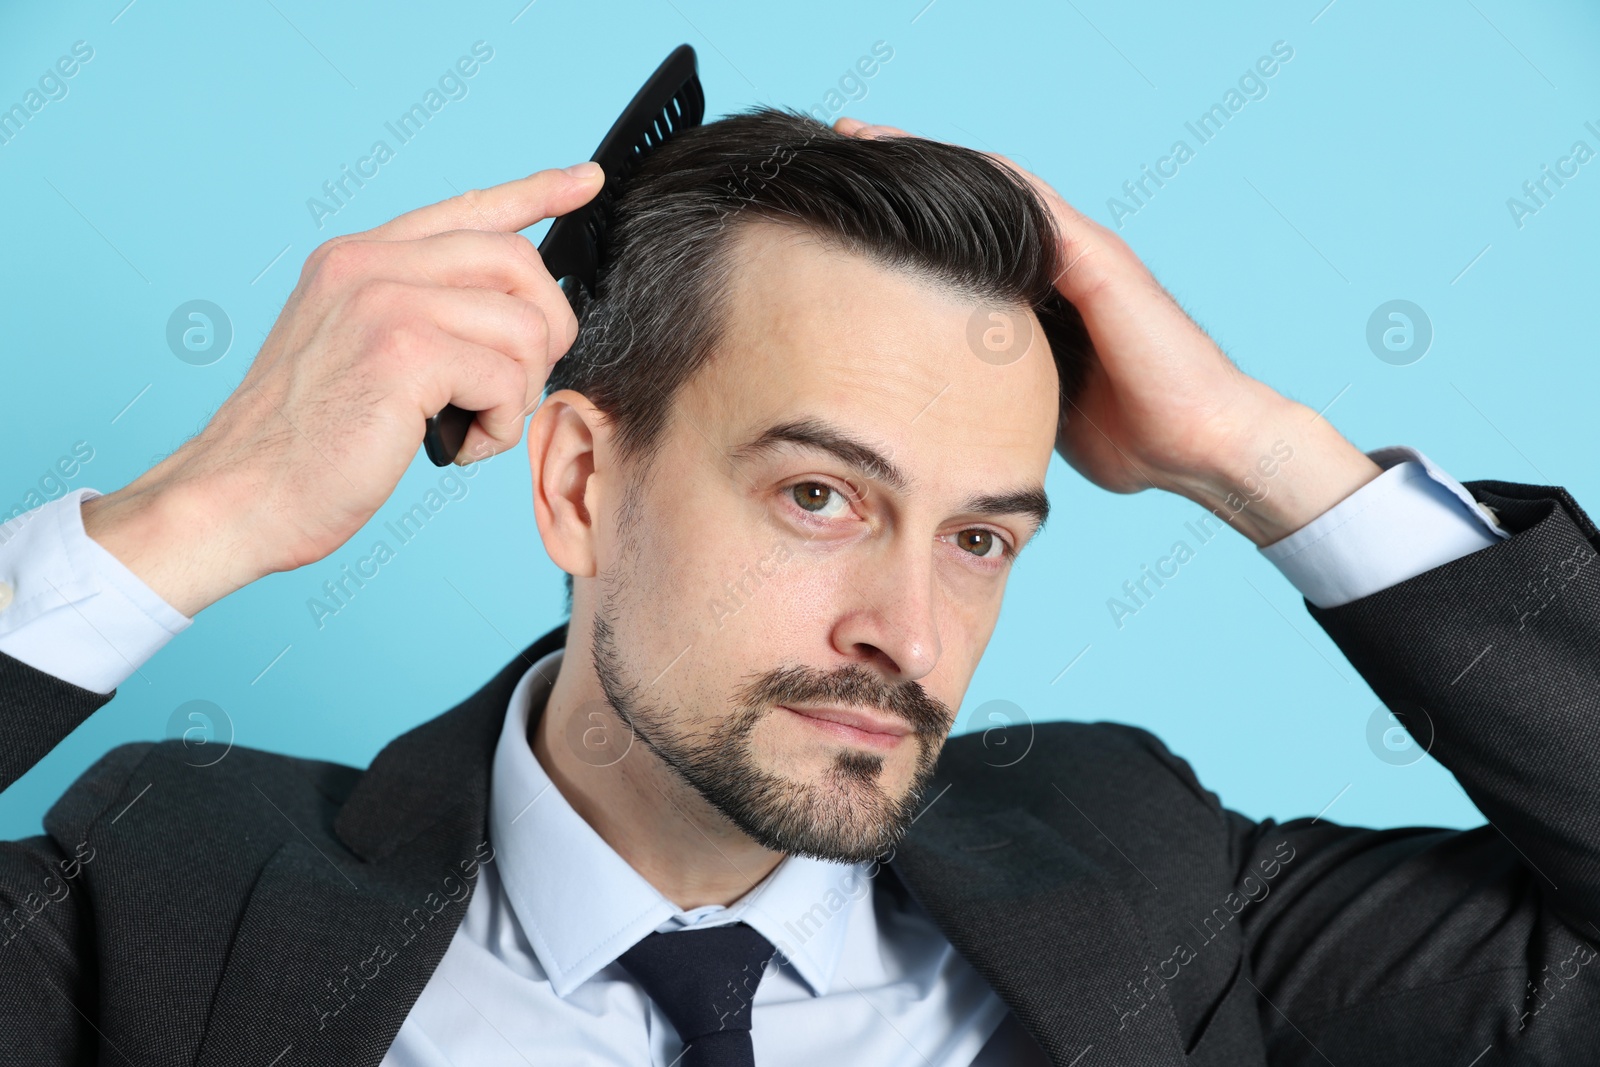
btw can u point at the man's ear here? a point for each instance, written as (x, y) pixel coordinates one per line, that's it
(563, 440)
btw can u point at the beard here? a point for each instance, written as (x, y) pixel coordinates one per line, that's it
(847, 817)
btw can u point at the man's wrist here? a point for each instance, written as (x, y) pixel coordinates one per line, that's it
(176, 536)
(1285, 466)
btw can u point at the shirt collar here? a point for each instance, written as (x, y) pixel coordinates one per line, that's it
(582, 905)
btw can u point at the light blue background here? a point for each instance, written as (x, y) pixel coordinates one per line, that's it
(1377, 167)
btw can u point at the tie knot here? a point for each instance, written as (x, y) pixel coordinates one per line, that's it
(704, 981)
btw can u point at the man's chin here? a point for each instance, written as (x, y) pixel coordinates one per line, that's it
(830, 816)
(832, 845)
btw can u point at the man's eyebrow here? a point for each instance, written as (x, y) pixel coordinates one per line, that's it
(1030, 501)
(823, 437)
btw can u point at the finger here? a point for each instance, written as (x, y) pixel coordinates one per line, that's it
(505, 262)
(869, 131)
(506, 324)
(478, 379)
(1080, 227)
(1088, 249)
(511, 206)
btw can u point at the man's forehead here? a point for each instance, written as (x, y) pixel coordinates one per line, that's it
(813, 330)
(795, 293)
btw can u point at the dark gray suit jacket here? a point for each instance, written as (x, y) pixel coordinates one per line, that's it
(270, 911)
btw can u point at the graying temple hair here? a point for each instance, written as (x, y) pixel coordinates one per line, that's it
(934, 210)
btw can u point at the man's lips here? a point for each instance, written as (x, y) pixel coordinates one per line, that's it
(857, 727)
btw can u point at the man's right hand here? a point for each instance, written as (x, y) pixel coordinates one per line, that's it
(445, 304)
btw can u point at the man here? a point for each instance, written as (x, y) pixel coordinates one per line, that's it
(714, 819)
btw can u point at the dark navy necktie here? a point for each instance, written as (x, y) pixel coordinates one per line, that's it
(703, 981)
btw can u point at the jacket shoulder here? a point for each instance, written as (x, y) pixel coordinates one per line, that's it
(94, 791)
(220, 782)
(1039, 762)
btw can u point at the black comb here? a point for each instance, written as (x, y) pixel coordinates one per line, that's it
(667, 104)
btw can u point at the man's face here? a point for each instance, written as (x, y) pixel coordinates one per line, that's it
(823, 532)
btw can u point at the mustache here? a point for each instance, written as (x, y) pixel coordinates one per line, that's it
(852, 686)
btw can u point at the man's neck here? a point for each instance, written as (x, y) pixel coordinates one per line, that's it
(650, 817)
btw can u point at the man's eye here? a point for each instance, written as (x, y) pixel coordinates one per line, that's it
(818, 499)
(985, 544)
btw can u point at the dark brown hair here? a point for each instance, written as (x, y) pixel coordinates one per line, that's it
(934, 210)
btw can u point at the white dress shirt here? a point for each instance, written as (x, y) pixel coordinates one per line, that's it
(531, 977)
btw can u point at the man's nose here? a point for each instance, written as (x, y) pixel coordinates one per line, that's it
(888, 612)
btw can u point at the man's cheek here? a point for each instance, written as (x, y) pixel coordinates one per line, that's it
(743, 591)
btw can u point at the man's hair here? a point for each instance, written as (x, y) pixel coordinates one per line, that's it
(932, 210)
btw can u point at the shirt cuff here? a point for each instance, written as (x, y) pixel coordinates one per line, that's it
(1411, 518)
(70, 608)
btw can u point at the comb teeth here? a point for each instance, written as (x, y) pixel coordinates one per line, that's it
(663, 127)
(673, 119)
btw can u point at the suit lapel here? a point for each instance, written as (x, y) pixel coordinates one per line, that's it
(351, 916)
(1045, 927)
(324, 970)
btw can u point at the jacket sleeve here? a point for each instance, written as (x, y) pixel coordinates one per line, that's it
(48, 988)
(1426, 945)
(37, 710)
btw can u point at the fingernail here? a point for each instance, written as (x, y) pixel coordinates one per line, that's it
(587, 169)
